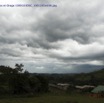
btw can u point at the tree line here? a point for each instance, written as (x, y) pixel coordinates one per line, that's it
(15, 81)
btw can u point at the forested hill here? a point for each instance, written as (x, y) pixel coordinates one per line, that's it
(92, 78)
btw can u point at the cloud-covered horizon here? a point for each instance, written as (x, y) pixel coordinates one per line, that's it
(63, 39)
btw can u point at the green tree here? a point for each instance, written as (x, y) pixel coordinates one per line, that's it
(44, 83)
(19, 68)
(35, 84)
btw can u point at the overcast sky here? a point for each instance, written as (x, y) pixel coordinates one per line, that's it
(68, 38)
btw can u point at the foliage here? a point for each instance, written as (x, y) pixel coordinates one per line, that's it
(14, 81)
(18, 68)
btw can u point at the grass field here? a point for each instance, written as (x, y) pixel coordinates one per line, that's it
(53, 98)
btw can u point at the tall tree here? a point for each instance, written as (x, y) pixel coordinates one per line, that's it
(19, 68)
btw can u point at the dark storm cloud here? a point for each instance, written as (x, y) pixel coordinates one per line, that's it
(13, 53)
(76, 24)
(40, 43)
(54, 28)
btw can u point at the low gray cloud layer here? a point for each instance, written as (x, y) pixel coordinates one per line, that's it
(62, 39)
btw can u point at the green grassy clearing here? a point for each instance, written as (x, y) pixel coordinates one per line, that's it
(52, 98)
